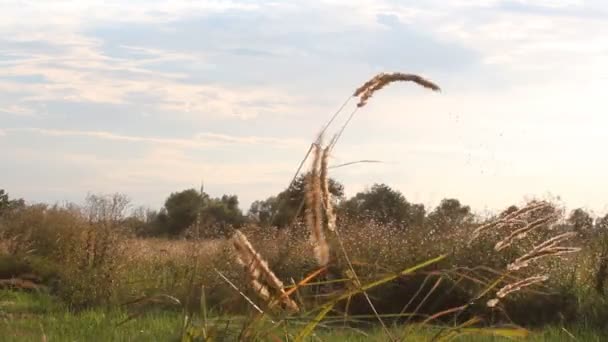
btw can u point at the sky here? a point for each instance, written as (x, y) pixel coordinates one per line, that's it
(151, 97)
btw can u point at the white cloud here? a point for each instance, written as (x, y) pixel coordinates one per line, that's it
(147, 178)
(81, 73)
(64, 14)
(167, 165)
(251, 139)
(551, 3)
(75, 68)
(528, 44)
(200, 141)
(16, 110)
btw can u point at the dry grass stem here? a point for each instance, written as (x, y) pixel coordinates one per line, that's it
(517, 218)
(529, 209)
(514, 287)
(367, 90)
(257, 269)
(523, 221)
(547, 248)
(327, 200)
(314, 217)
(523, 232)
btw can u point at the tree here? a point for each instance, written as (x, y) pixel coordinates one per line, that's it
(509, 210)
(7, 204)
(156, 223)
(601, 229)
(602, 223)
(384, 205)
(450, 214)
(182, 209)
(262, 211)
(580, 220)
(222, 212)
(281, 210)
(3, 199)
(215, 215)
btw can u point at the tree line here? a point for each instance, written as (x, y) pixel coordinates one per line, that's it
(194, 212)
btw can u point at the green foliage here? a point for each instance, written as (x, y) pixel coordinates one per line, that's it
(262, 212)
(189, 207)
(602, 223)
(3, 199)
(384, 205)
(7, 204)
(580, 220)
(13, 266)
(600, 236)
(221, 214)
(182, 210)
(285, 208)
(450, 214)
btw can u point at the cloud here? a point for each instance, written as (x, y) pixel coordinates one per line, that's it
(532, 43)
(250, 139)
(147, 178)
(16, 110)
(65, 64)
(168, 165)
(200, 141)
(243, 81)
(67, 14)
(82, 73)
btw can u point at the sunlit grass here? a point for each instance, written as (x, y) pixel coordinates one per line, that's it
(33, 317)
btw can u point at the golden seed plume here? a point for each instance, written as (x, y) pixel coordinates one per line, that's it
(314, 218)
(522, 232)
(376, 83)
(547, 248)
(517, 218)
(530, 208)
(369, 83)
(534, 215)
(258, 270)
(327, 202)
(514, 287)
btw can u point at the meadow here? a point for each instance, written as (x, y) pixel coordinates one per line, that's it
(82, 272)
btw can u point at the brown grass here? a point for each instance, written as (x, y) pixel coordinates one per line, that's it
(327, 200)
(522, 232)
(314, 215)
(515, 218)
(546, 249)
(514, 287)
(151, 248)
(258, 270)
(367, 90)
(534, 216)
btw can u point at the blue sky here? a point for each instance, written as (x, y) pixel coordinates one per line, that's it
(150, 97)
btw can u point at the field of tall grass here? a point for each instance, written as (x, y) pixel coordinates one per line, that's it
(523, 273)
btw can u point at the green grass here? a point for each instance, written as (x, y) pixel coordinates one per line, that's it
(33, 317)
(29, 317)
(549, 334)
